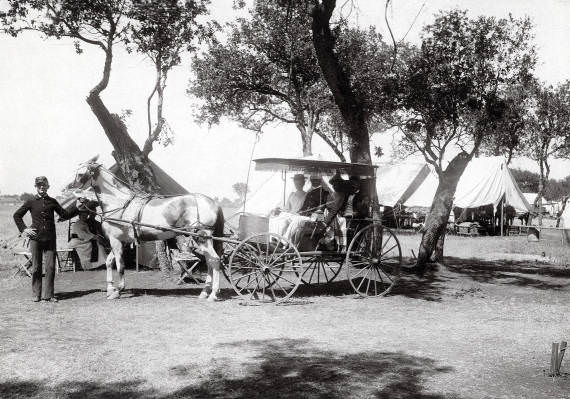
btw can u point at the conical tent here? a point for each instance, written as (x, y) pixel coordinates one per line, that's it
(485, 181)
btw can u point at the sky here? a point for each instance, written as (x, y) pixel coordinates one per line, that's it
(47, 128)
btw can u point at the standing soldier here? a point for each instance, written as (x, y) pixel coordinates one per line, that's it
(42, 237)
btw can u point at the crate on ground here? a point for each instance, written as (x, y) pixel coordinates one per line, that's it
(468, 229)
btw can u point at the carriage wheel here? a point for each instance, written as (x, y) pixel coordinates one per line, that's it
(265, 268)
(373, 261)
(321, 270)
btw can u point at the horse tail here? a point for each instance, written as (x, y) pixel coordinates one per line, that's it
(219, 231)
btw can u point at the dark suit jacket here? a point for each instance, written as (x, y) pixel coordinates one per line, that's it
(41, 210)
(315, 198)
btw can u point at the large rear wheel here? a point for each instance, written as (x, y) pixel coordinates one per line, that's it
(265, 268)
(373, 261)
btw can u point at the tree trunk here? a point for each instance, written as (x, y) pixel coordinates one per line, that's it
(306, 139)
(559, 215)
(433, 237)
(437, 255)
(338, 81)
(332, 145)
(538, 200)
(134, 165)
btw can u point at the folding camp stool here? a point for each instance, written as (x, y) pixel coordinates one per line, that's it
(25, 265)
(180, 258)
(65, 260)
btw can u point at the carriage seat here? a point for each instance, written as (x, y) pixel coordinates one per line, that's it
(310, 236)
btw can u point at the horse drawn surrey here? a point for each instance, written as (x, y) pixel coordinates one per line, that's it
(261, 265)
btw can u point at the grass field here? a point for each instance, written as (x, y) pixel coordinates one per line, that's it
(479, 327)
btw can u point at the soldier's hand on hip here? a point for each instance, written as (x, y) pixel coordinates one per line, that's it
(29, 232)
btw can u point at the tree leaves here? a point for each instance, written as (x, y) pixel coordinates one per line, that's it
(455, 90)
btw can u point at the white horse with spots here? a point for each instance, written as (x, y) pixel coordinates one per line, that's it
(191, 212)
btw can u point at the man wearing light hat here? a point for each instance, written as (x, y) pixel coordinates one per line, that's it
(42, 236)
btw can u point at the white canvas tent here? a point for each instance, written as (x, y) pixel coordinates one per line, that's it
(485, 181)
(266, 192)
(396, 183)
(270, 188)
(530, 197)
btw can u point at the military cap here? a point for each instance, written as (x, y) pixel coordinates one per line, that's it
(41, 180)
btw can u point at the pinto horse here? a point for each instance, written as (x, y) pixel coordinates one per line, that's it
(127, 215)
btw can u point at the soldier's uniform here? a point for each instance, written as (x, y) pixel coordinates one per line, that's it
(42, 210)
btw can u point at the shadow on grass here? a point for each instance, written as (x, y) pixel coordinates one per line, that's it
(334, 288)
(74, 390)
(225, 293)
(62, 296)
(499, 272)
(280, 368)
(430, 287)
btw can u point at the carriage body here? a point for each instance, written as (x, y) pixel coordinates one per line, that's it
(268, 267)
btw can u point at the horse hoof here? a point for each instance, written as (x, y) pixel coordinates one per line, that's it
(114, 295)
(213, 298)
(203, 295)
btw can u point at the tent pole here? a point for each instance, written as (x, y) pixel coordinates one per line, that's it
(502, 215)
(284, 188)
(137, 256)
(494, 218)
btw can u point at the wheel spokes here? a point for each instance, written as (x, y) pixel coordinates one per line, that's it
(265, 267)
(373, 261)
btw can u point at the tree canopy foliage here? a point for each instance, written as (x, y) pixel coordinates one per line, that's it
(455, 91)
(264, 72)
(547, 132)
(548, 126)
(555, 190)
(267, 71)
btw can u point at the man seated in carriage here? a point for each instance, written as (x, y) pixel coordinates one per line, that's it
(313, 208)
(353, 210)
(347, 209)
(345, 203)
(316, 197)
